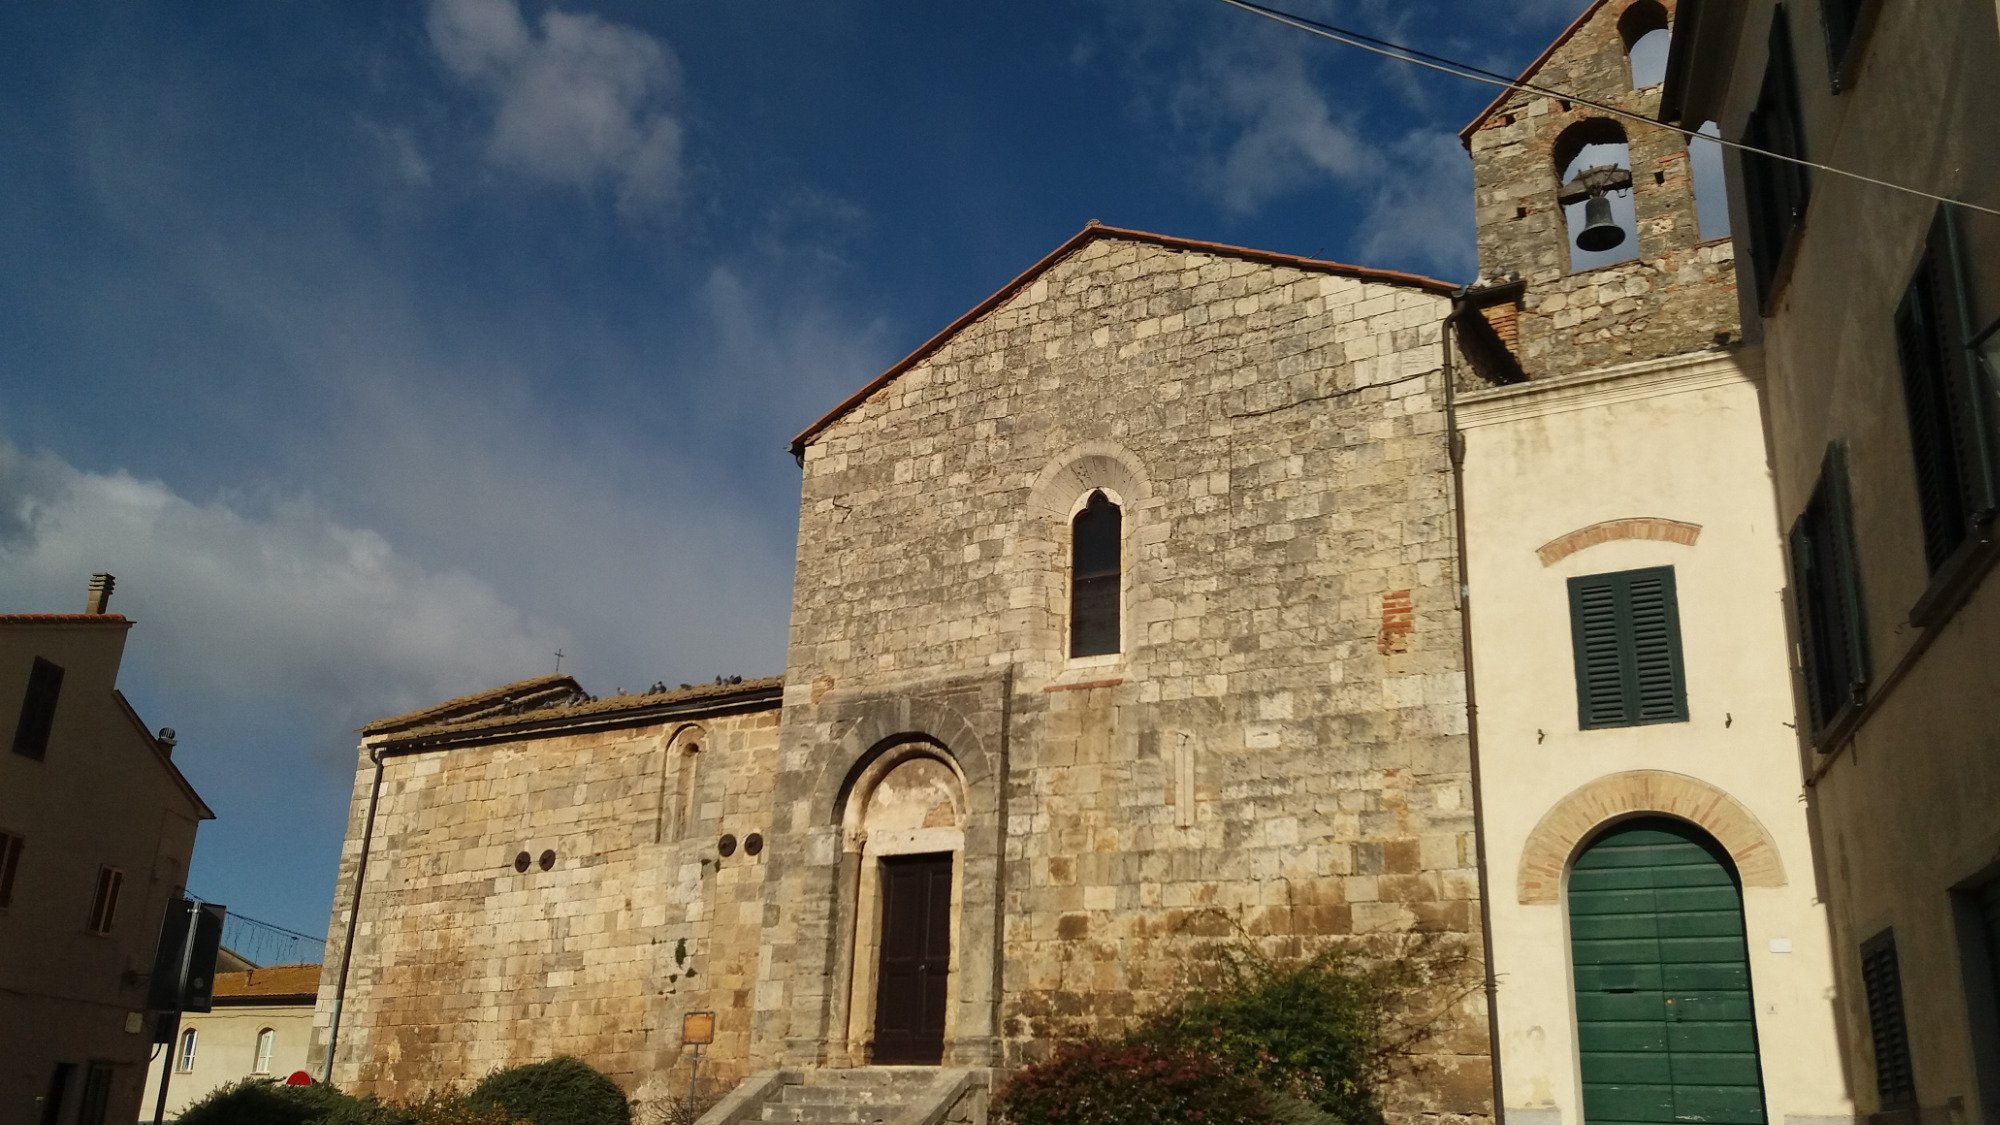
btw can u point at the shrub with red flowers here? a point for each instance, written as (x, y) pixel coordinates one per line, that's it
(1131, 1084)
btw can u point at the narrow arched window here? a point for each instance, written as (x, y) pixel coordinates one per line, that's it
(690, 765)
(1643, 27)
(267, 1041)
(187, 1050)
(1093, 577)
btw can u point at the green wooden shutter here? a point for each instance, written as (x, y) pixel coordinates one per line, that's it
(1882, 983)
(1625, 629)
(1805, 611)
(1927, 398)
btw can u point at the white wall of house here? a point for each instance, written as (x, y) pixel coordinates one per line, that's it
(226, 1051)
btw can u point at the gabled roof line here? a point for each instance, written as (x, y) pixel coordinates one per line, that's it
(1492, 107)
(160, 755)
(1090, 233)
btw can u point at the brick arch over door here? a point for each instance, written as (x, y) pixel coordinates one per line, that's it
(1578, 817)
(1634, 527)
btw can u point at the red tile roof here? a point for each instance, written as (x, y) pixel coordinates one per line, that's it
(64, 619)
(1083, 237)
(272, 982)
(554, 686)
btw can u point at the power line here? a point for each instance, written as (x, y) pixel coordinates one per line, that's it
(1441, 64)
(263, 924)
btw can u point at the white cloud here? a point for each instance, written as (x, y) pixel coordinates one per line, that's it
(1263, 125)
(1420, 212)
(244, 602)
(578, 100)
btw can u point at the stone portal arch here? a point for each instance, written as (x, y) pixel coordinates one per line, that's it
(1586, 811)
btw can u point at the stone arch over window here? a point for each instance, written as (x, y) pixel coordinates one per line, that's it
(1587, 811)
(680, 782)
(1592, 163)
(1634, 527)
(1096, 484)
(1644, 27)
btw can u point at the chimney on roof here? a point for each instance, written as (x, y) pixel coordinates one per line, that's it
(167, 740)
(100, 592)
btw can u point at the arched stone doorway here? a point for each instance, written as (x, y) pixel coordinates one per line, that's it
(905, 824)
(1666, 1024)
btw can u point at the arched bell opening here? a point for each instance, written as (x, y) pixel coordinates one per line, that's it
(1644, 28)
(1593, 167)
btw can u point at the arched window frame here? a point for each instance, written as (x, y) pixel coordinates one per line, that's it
(1641, 19)
(1091, 650)
(184, 1060)
(267, 1045)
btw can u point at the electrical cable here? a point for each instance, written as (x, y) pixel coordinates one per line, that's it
(264, 924)
(1415, 57)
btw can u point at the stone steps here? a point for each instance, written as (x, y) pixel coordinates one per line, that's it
(880, 1095)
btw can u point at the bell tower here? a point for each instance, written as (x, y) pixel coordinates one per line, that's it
(1592, 248)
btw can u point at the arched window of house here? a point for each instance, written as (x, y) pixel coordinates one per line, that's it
(688, 793)
(1095, 557)
(1593, 167)
(1644, 29)
(1711, 191)
(187, 1051)
(267, 1040)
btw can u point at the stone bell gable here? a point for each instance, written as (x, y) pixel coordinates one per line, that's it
(1258, 722)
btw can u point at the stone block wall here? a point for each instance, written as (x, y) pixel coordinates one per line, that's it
(1678, 296)
(462, 964)
(1280, 747)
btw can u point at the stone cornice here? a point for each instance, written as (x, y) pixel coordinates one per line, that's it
(1631, 382)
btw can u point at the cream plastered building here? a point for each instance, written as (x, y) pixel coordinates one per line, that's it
(1878, 313)
(96, 827)
(1658, 948)
(260, 1026)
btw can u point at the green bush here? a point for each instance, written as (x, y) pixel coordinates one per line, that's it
(561, 1091)
(259, 1101)
(1131, 1084)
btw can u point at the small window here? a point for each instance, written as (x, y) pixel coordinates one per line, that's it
(689, 787)
(38, 710)
(1776, 192)
(104, 908)
(1095, 548)
(10, 860)
(1627, 635)
(1882, 982)
(1954, 446)
(1826, 599)
(267, 1040)
(186, 1062)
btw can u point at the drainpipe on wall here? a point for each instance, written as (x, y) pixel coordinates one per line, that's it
(353, 914)
(1455, 453)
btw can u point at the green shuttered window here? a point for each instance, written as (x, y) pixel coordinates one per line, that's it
(1626, 630)
(1775, 191)
(1882, 981)
(1826, 599)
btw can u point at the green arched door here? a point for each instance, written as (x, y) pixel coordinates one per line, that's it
(1666, 1030)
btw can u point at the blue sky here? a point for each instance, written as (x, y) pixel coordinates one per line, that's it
(383, 349)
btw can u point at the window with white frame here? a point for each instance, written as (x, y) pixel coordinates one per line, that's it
(186, 1062)
(267, 1040)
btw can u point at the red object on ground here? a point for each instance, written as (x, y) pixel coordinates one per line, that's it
(299, 1078)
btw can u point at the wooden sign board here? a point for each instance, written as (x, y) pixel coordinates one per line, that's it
(698, 1028)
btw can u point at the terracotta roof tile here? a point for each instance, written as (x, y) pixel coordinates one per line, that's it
(63, 619)
(611, 705)
(269, 981)
(553, 686)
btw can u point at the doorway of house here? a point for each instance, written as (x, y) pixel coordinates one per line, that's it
(1665, 1026)
(915, 967)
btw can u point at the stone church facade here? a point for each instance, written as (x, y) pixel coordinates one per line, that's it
(1130, 620)
(1257, 733)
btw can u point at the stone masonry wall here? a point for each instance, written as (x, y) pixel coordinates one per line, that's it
(1677, 296)
(1281, 745)
(462, 964)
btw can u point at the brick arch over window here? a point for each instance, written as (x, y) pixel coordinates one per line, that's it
(1575, 819)
(1632, 527)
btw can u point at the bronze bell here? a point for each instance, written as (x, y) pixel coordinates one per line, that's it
(1599, 231)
